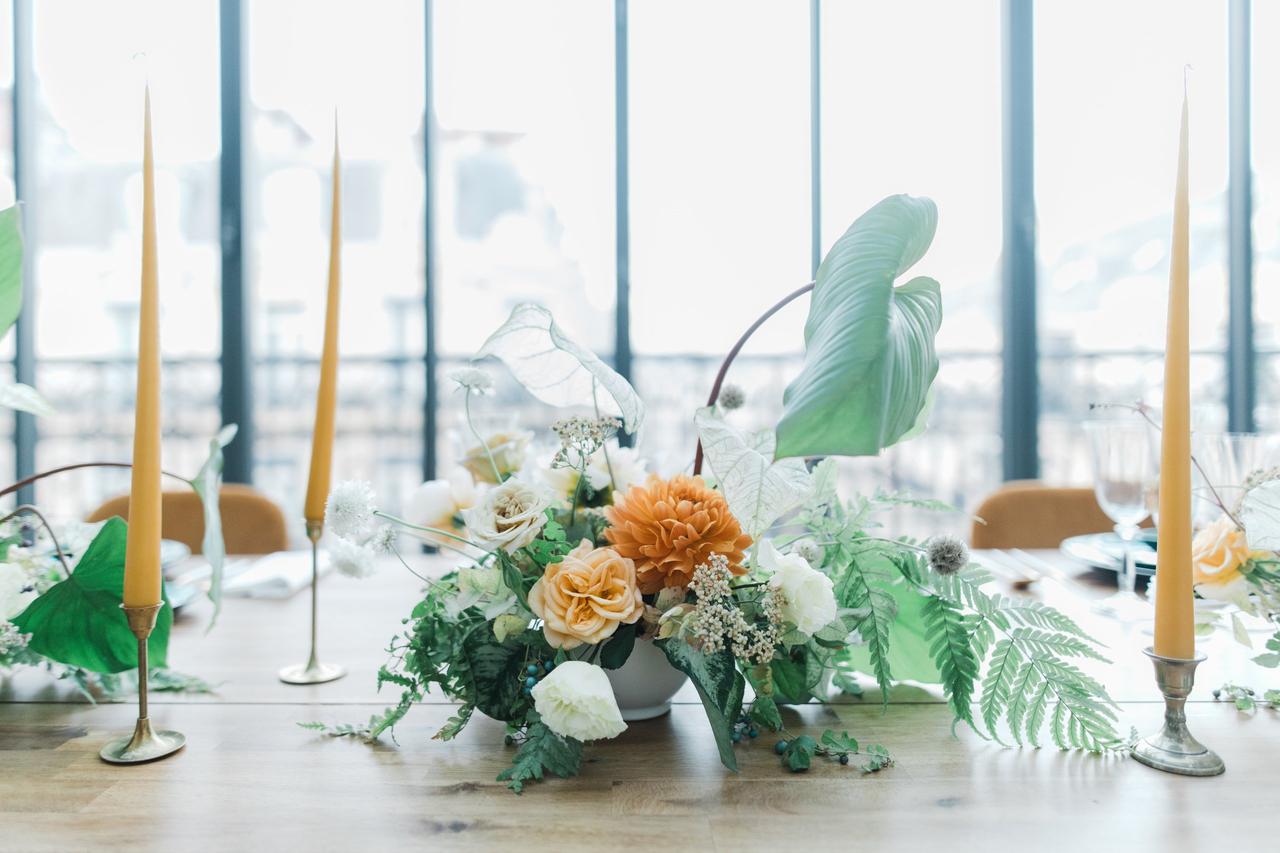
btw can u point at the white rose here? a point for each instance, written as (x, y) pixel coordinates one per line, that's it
(15, 591)
(509, 517)
(810, 595)
(437, 502)
(576, 700)
(628, 469)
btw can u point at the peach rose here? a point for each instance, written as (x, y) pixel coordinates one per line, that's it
(586, 596)
(1218, 552)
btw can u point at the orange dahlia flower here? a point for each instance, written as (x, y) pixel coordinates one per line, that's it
(670, 527)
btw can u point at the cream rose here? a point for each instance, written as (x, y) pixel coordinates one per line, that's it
(509, 517)
(586, 596)
(508, 450)
(1217, 553)
(576, 700)
(810, 596)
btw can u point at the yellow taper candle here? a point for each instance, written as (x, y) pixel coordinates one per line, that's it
(326, 396)
(1175, 628)
(142, 552)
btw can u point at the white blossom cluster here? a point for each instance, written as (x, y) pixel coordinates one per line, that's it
(719, 623)
(580, 438)
(11, 639)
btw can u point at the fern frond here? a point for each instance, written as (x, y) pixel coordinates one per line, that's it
(861, 587)
(1021, 693)
(950, 633)
(1030, 684)
(1049, 643)
(997, 687)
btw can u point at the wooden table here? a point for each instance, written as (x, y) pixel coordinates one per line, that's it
(250, 778)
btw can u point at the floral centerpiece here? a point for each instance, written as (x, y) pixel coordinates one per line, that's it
(584, 579)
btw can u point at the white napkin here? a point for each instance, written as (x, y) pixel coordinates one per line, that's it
(278, 575)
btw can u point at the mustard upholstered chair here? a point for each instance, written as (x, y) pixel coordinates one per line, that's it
(1029, 514)
(251, 522)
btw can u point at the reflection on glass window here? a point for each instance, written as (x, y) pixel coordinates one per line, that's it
(524, 183)
(930, 128)
(84, 227)
(1266, 212)
(1107, 107)
(363, 61)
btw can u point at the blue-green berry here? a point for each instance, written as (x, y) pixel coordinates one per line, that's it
(549, 665)
(780, 747)
(529, 682)
(736, 736)
(527, 691)
(532, 669)
(753, 732)
(844, 758)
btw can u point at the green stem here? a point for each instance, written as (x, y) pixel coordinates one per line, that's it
(604, 448)
(28, 509)
(466, 407)
(425, 529)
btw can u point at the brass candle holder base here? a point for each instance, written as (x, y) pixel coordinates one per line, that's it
(1173, 749)
(313, 672)
(145, 744)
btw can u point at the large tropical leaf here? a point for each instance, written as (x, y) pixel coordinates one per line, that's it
(869, 345)
(720, 687)
(208, 485)
(79, 621)
(559, 371)
(10, 268)
(758, 489)
(1260, 515)
(24, 398)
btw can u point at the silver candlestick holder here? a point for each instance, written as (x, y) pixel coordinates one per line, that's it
(1173, 749)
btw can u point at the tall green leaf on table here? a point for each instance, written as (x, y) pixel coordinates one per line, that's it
(559, 371)
(905, 648)
(14, 395)
(869, 345)
(79, 621)
(207, 484)
(758, 489)
(720, 687)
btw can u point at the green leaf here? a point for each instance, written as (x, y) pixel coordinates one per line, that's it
(869, 346)
(764, 712)
(495, 672)
(950, 631)
(543, 751)
(513, 578)
(10, 268)
(719, 686)
(618, 649)
(865, 584)
(757, 489)
(556, 369)
(24, 398)
(790, 677)
(799, 753)
(79, 621)
(207, 484)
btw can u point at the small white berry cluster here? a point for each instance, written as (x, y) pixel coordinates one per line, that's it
(11, 639)
(580, 438)
(719, 622)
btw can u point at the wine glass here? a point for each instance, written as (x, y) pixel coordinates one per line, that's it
(1123, 474)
